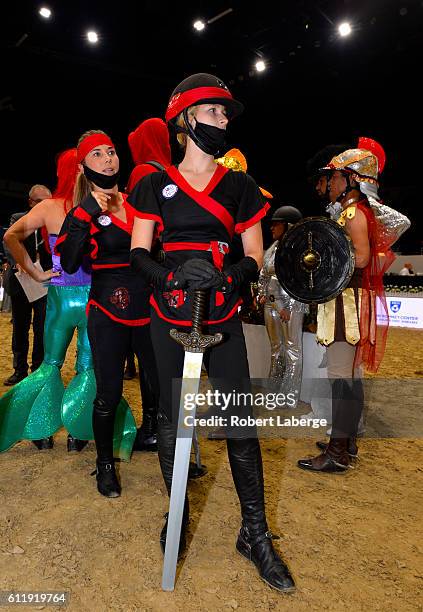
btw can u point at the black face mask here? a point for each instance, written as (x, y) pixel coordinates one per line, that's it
(210, 139)
(104, 181)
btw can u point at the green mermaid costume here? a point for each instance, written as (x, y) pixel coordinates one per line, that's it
(39, 405)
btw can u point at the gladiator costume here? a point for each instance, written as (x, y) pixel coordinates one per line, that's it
(347, 324)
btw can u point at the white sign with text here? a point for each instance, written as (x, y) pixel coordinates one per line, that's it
(403, 312)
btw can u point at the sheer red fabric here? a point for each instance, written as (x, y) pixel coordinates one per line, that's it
(67, 171)
(373, 335)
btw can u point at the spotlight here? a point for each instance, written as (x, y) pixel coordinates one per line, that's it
(92, 37)
(344, 29)
(45, 12)
(199, 25)
(260, 66)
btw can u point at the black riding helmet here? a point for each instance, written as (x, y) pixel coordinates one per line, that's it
(201, 88)
(287, 214)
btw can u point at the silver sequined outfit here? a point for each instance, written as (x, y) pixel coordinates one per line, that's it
(285, 337)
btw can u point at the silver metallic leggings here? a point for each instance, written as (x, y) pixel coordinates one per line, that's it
(286, 349)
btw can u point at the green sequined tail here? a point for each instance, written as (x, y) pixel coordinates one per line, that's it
(124, 432)
(31, 410)
(77, 411)
(77, 405)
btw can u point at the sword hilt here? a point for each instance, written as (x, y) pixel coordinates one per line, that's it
(198, 310)
(195, 341)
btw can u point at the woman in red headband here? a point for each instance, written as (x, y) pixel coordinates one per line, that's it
(118, 311)
(199, 206)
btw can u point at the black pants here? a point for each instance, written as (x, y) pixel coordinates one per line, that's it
(21, 315)
(227, 364)
(347, 406)
(110, 342)
(347, 390)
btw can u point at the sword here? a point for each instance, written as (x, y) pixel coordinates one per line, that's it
(197, 469)
(195, 344)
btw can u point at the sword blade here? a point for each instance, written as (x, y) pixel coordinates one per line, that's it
(196, 446)
(190, 384)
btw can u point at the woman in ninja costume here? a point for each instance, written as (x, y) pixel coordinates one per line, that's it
(150, 150)
(199, 206)
(39, 405)
(118, 310)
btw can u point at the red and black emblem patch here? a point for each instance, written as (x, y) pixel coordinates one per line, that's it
(120, 298)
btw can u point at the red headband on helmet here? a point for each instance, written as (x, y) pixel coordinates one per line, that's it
(91, 142)
(191, 97)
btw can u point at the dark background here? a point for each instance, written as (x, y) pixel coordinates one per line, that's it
(318, 89)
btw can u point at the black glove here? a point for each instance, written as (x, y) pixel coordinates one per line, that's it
(233, 277)
(90, 205)
(197, 274)
(153, 272)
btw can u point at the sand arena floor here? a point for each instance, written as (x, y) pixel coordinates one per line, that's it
(353, 542)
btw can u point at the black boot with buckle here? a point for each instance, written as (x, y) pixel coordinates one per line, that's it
(107, 481)
(103, 425)
(166, 439)
(255, 540)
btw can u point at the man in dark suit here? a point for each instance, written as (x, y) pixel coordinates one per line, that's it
(22, 309)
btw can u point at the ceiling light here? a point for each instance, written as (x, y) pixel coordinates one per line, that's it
(92, 37)
(45, 12)
(260, 66)
(199, 25)
(344, 29)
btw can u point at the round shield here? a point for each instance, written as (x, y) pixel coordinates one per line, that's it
(314, 260)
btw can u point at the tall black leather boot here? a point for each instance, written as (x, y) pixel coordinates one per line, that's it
(146, 439)
(103, 425)
(166, 439)
(255, 540)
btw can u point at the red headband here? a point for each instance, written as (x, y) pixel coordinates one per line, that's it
(191, 97)
(91, 142)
